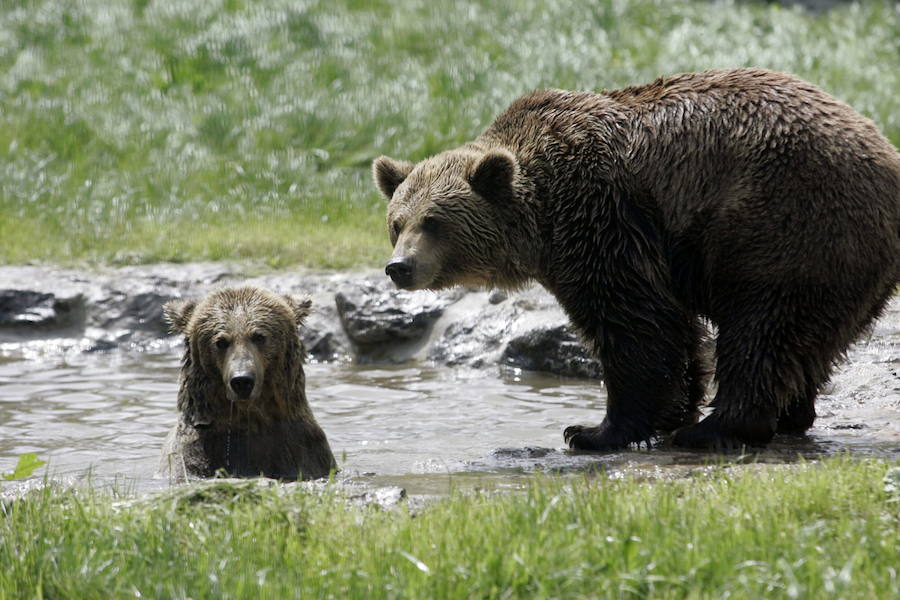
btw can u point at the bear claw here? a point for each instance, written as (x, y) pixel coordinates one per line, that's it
(572, 431)
(600, 438)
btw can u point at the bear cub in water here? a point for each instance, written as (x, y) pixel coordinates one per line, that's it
(242, 396)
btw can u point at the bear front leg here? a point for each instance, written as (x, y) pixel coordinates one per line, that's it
(684, 409)
(612, 275)
(645, 379)
(799, 415)
(755, 361)
(741, 417)
(722, 431)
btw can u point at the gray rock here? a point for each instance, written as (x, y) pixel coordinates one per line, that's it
(498, 296)
(474, 336)
(355, 316)
(322, 335)
(553, 349)
(384, 324)
(39, 313)
(384, 497)
(525, 329)
(138, 312)
(321, 346)
(372, 318)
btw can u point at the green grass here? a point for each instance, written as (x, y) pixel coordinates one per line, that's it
(134, 131)
(828, 530)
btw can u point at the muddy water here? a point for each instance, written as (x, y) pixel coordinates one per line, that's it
(105, 415)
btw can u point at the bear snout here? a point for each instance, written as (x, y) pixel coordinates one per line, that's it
(401, 270)
(243, 373)
(242, 385)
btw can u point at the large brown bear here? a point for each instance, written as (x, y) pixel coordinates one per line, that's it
(745, 197)
(242, 398)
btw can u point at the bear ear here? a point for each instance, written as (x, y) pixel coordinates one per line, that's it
(178, 314)
(494, 174)
(300, 305)
(389, 174)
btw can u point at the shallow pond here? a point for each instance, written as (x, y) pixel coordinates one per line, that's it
(105, 415)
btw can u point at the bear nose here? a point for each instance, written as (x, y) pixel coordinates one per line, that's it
(400, 270)
(242, 385)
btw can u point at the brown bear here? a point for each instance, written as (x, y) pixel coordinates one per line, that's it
(747, 198)
(242, 398)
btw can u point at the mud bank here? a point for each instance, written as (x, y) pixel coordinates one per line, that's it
(357, 317)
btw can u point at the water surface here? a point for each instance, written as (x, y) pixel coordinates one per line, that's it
(105, 415)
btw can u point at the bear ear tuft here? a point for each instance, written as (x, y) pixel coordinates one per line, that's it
(494, 174)
(301, 307)
(178, 314)
(389, 174)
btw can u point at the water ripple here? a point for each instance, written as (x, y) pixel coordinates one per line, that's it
(108, 416)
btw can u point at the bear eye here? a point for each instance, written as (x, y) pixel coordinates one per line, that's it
(258, 338)
(395, 229)
(431, 225)
(223, 343)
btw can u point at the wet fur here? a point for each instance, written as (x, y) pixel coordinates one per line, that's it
(275, 435)
(745, 197)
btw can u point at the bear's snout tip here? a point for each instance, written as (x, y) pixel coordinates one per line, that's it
(242, 385)
(400, 270)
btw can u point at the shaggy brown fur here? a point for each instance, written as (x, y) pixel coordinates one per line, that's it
(746, 197)
(242, 397)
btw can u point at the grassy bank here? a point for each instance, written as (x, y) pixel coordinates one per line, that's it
(145, 130)
(813, 531)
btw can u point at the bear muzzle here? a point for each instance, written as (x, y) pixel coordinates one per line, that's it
(243, 374)
(242, 385)
(401, 270)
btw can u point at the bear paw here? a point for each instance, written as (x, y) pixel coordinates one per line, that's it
(712, 433)
(600, 438)
(797, 419)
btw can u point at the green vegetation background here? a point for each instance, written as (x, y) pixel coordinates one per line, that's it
(138, 131)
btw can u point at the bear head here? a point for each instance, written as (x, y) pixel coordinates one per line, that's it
(244, 355)
(450, 218)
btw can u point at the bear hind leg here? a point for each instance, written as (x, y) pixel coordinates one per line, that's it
(800, 413)
(774, 355)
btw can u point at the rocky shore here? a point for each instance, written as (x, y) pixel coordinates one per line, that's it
(358, 316)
